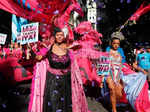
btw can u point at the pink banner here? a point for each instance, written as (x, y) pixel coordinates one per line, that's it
(140, 11)
(40, 10)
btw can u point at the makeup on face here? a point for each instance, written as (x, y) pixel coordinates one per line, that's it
(59, 37)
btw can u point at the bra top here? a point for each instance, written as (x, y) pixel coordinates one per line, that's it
(116, 58)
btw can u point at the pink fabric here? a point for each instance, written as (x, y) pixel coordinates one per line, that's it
(85, 69)
(142, 103)
(87, 72)
(7, 50)
(17, 53)
(142, 10)
(35, 10)
(43, 11)
(42, 51)
(127, 69)
(63, 21)
(79, 103)
(9, 68)
(87, 52)
(84, 61)
(37, 88)
(123, 99)
(56, 71)
(85, 28)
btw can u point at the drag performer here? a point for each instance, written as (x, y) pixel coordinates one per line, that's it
(63, 63)
(60, 87)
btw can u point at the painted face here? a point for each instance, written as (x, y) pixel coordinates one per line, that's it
(59, 37)
(115, 44)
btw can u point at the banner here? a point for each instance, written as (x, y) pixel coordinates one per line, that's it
(103, 65)
(144, 8)
(35, 10)
(17, 22)
(3, 38)
(29, 33)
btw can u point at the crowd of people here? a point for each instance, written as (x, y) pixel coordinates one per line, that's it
(58, 79)
(60, 66)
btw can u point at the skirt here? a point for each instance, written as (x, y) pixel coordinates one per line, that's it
(57, 93)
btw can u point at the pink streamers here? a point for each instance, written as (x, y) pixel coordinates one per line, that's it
(142, 10)
(85, 28)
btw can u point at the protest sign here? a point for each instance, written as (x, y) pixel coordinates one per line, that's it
(29, 33)
(103, 65)
(3, 38)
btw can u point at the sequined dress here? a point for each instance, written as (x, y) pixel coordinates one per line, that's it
(57, 93)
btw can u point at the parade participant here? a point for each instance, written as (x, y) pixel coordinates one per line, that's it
(142, 62)
(4, 51)
(28, 51)
(17, 50)
(114, 81)
(60, 87)
(126, 80)
(117, 37)
(139, 50)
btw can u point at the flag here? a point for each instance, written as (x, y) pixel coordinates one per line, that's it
(17, 22)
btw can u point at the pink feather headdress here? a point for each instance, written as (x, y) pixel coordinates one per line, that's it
(85, 29)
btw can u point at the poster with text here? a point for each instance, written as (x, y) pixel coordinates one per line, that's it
(3, 38)
(29, 33)
(103, 65)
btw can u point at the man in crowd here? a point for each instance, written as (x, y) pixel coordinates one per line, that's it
(142, 62)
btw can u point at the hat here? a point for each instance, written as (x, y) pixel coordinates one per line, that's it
(118, 35)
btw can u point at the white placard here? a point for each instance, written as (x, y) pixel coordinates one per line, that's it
(29, 33)
(3, 38)
(103, 65)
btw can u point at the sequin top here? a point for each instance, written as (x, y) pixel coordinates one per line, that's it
(59, 62)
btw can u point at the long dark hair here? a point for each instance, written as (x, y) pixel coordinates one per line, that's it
(56, 29)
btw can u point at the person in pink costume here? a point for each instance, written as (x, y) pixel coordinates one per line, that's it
(87, 51)
(11, 69)
(57, 75)
(17, 51)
